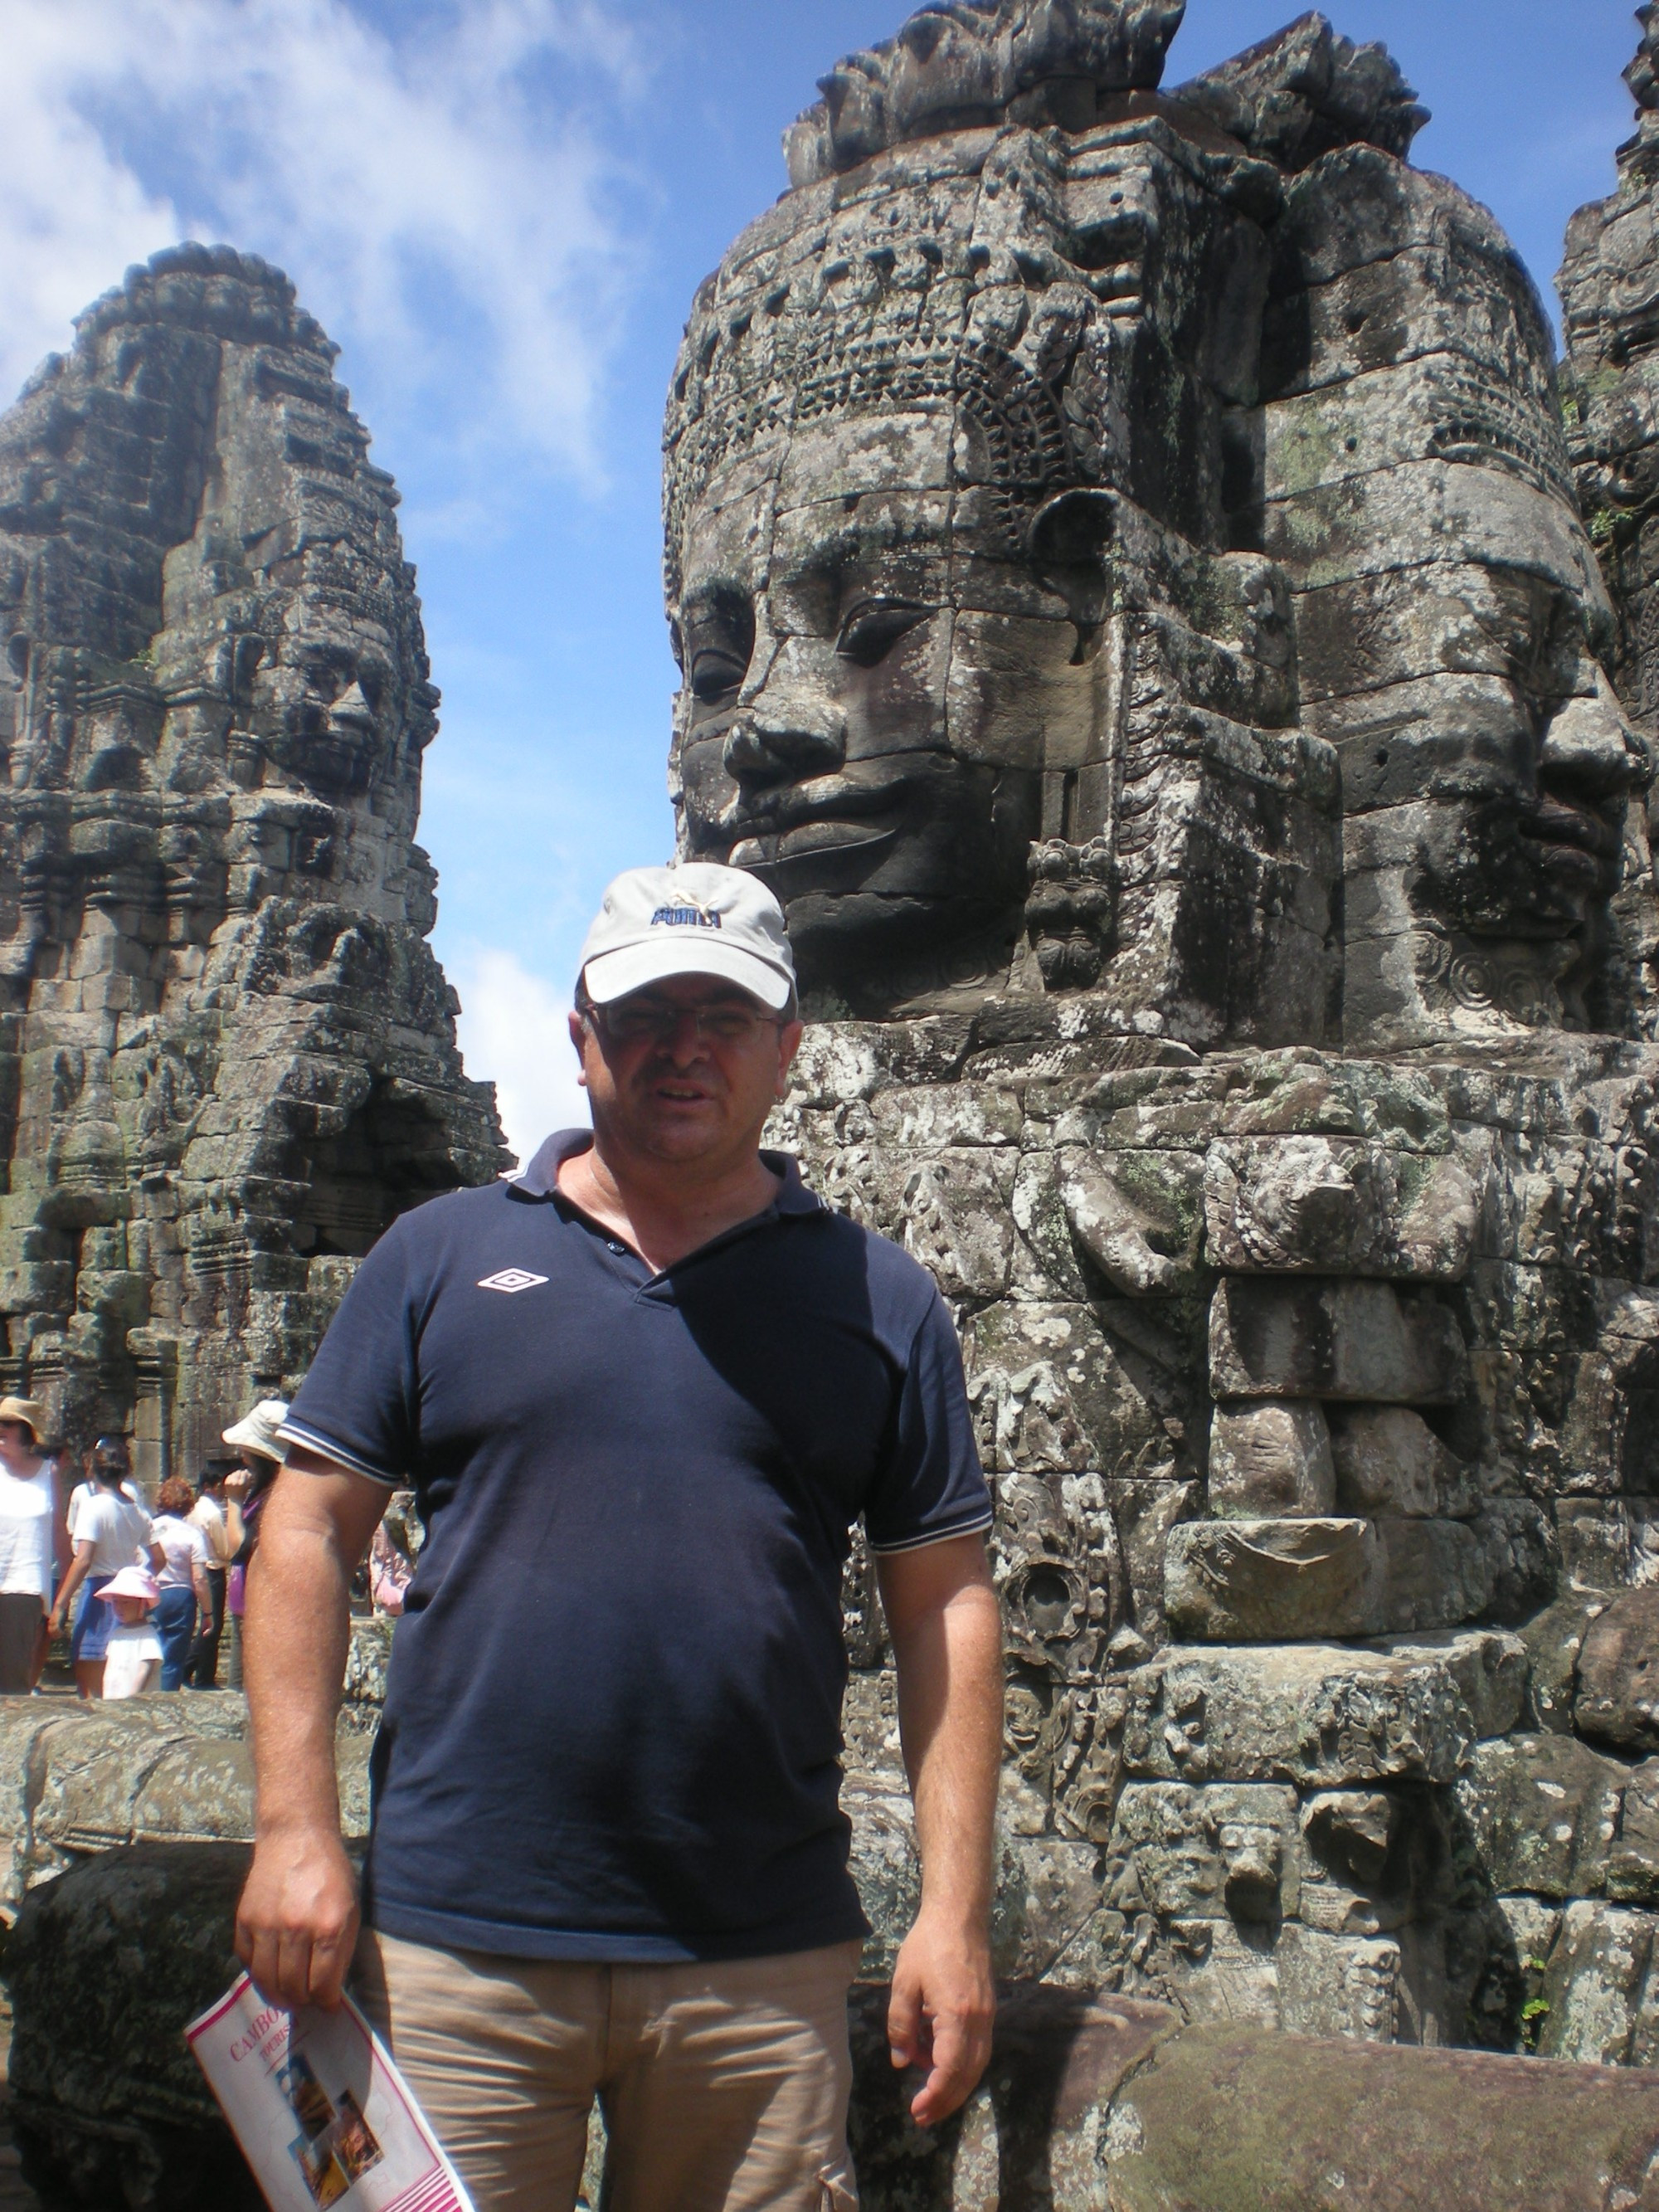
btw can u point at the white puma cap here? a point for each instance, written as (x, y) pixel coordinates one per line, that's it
(697, 919)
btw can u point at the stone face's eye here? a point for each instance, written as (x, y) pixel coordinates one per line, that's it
(715, 673)
(875, 626)
(718, 636)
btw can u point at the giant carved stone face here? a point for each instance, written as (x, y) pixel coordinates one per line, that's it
(869, 744)
(1452, 619)
(1107, 505)
(919, 535)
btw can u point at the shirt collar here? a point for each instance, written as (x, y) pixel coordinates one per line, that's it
(541, 1178)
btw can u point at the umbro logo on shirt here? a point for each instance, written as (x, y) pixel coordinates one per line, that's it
(510, 1280)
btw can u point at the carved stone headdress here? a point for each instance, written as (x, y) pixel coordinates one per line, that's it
(966, 62)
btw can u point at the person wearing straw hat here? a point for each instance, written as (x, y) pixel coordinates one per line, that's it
(30, 1526)
(642, 1394)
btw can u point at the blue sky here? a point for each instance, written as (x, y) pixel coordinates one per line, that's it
(500, 209)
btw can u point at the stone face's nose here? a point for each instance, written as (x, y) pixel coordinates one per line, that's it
(785, 739)
(351, 710)
(1591, 747)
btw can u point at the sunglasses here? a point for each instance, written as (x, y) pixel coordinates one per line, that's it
(658, 1023)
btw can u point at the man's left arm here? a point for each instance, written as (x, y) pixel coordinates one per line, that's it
(947, 1632)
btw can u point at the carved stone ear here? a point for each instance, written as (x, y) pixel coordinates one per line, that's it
(1069, 543)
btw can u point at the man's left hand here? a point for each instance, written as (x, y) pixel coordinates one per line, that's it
(940, 2015)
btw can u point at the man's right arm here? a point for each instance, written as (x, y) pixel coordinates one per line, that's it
(296, 1925)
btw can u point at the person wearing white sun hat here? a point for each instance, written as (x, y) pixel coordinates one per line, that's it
(641, 1392)
(133, 1656)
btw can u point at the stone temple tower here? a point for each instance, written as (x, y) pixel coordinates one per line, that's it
(227, 1055)
(1137, 607)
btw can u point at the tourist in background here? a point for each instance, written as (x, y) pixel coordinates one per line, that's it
(82, 1494)
(111, 1531)
(391, 1570)
(185, 1599)
(133, 1660)
(220, 1519)
(254, 1440)
(29, 1520)
(23, 1454)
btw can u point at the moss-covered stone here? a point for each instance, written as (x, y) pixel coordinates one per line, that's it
(1226, 2119)
(105, 1968)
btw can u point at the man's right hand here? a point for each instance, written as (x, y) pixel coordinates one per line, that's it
(296, 1924)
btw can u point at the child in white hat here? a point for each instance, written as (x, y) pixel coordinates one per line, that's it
(132, 1658)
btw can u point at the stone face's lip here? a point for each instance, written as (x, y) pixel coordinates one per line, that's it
(1575, 835)
(825, 836)
(826, 801)
(833, 816)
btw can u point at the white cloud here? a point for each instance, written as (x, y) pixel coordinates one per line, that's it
(514, 1034)
(438, 190)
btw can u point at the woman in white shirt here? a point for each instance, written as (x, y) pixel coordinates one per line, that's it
(185, 1597)
(31, 1546)
(111, 1532)
(26, 1564)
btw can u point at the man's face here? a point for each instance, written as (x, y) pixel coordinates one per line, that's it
(17, 1440)
(855, 731)
(685, 1072)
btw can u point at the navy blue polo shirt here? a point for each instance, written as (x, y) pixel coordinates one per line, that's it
(612, 1726)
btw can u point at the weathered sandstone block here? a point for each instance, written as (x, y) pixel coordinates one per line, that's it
(1320, 1206)
(166, 1768)
(1338, 1985)
(1271, 1459)
(1488, 1666)
(1274, 1580)
(1316, 1715)
(1488, 2134)
(1436, 1574)
(1602, 1987)
(1228, 1849)
(1544, 1811)
(1332, 1339)
(1633, 1862)
(1389, 1461)
(1239, 1580)
(1618, 1700)
(1555, 1640)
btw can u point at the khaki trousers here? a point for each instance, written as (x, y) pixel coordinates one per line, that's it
(723, 2085)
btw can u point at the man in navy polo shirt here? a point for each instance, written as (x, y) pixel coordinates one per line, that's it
(643, 1393)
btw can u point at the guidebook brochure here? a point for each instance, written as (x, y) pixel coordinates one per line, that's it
(323, 2115)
